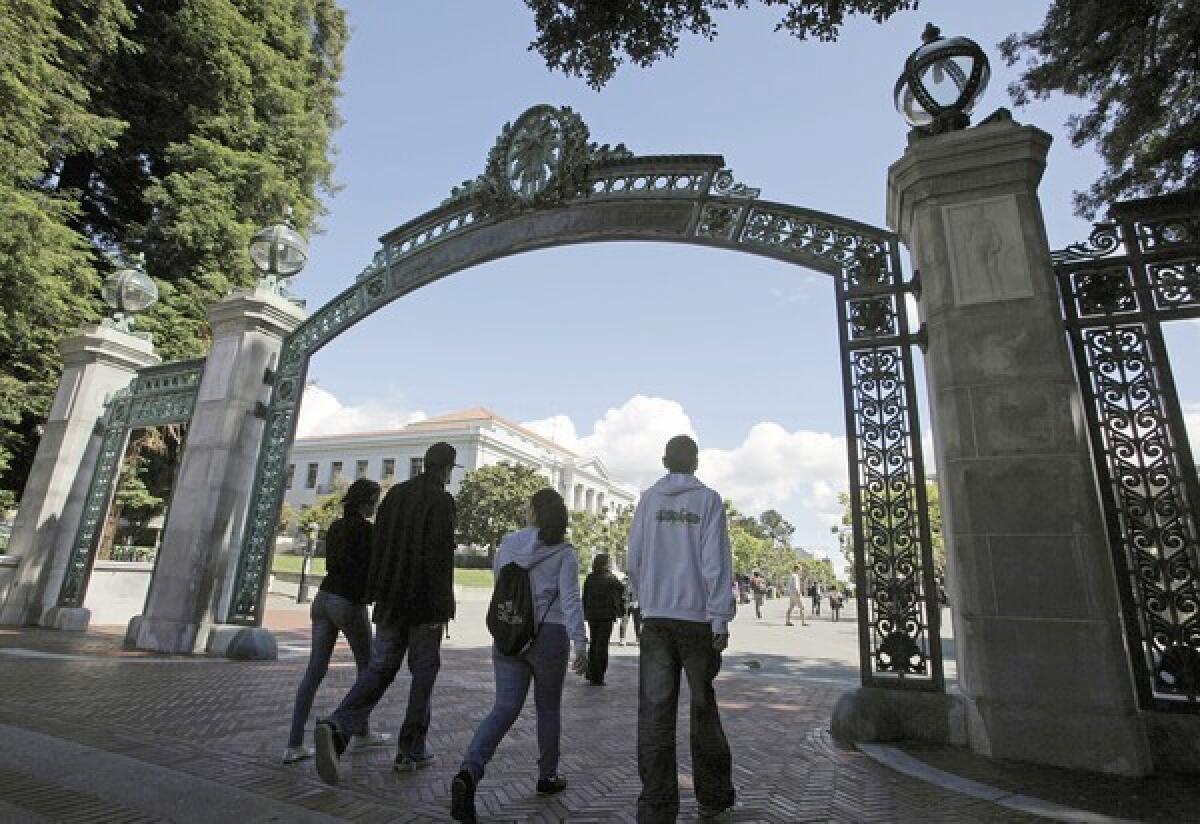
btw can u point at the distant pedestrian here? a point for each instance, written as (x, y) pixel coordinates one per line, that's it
(411, 583)
(814, 593)
(340, 606)
(835, 603)
(795, 594)
(758, 588)
(632, 613)
(554, 579)
(681, 567)
(603, 604)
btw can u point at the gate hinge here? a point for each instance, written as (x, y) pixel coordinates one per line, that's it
(914, 285)
(269, 376)
(261, 410)
(920, 339)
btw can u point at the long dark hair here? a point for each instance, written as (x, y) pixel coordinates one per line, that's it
(362, 491)
(601, 562)
(550, 516)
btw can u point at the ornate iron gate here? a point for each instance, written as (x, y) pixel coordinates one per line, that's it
(159, 395)
(1135, 272)
(545, 185)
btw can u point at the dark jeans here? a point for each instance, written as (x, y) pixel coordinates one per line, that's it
(423, 644)
(668, 647)
(601, 634)
(636, 614)
(816, 605)
(330, 614)
(545, 663)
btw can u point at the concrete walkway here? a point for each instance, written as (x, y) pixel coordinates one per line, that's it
(91, 733)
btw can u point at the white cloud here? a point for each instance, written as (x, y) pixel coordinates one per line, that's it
(1191, 417)
(321, 413)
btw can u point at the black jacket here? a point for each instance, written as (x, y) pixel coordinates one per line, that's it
(412, 558)
(348, 557)
(603, 597)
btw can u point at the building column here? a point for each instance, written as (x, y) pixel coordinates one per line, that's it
(97, 362)
(197, 562)
(1033, 595)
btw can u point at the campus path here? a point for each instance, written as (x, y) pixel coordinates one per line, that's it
(89, 732)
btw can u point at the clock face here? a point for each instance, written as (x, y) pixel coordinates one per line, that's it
(535, 152)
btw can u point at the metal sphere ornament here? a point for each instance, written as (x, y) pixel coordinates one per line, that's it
(941, 83)
(279, 251)
(128, 291)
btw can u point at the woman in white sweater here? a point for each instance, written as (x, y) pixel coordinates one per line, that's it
(554, 578)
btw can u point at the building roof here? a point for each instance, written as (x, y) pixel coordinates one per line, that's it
(452, 420)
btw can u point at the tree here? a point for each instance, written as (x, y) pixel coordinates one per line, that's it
(492, 501)
(175, 128)
(776, 527)
(591, 38)
(593, 533)
(326, 510)
(1138, 64)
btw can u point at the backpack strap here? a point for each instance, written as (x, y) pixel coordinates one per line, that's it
(546, 611)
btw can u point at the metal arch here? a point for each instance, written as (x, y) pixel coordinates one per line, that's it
(689, 199)
(1134, 273)
(157, 395)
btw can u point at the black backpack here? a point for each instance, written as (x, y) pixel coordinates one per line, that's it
(510, 617)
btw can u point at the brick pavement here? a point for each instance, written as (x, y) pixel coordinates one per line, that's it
(177, 738)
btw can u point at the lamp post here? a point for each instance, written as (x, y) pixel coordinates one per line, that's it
(942, 81)
(128, 291)
(279, 252)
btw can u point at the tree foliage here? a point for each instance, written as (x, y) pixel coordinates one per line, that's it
(326, 510)
(591, 38)
(1138, 65)
(593, 533)
(492, 501)
(176, 129)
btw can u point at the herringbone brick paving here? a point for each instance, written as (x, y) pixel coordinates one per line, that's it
(227, 722)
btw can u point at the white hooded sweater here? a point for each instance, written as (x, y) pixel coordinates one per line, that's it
(556, 574)
(680, 562)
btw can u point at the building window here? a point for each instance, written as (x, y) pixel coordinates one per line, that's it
(310, 481)
(415, 467)
(389, 470)
(291, 475)
(360, 469)
(335, 472)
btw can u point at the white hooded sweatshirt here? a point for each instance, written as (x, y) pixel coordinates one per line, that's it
(680, 562)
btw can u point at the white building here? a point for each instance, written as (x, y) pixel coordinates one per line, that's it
(481, 437)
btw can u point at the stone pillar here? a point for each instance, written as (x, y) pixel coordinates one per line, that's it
(197, 561)
(97, 361)
(1041, 656)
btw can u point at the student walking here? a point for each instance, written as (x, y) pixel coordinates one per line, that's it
(758, 586)
(339, 607)
(603, 603)
(814, 592)
(411, 583)
(681, 567)
(795, 594)
(554, 580)
(835, 604)
(632, 612)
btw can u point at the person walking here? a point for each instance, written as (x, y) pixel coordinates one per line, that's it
(339, 607)
(632, 612)
(411, 583)
(758, 586)
(554, 580)
(602, 604)
(795, 594)
(835, 604)
(814, 592)
(681, 567)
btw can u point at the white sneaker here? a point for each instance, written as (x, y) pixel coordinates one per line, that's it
(293, 754)
(369, 741)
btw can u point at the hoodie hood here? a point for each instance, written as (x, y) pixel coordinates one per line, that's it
(524, 547)
(676, 483)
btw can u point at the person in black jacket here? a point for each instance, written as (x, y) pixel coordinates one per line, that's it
(340, 606)
(603, 604)
(411, 583)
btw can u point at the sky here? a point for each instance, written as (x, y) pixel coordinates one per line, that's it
(612, 348)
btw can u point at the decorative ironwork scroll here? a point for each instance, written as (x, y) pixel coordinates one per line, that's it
(544, 169)
(157, 396)
(1134, 273)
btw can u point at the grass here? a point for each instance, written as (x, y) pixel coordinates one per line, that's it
(462, 577)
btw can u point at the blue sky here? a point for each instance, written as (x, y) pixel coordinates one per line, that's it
(613, 346)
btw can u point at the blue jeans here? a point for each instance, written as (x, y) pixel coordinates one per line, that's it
(545, 662)
(423, 645)
(669, 647)
(330, 614)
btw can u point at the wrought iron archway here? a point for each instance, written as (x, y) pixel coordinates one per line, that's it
(158, 396)
(1134, 273)
(546, 185)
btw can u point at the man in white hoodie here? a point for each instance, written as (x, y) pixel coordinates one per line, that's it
(681, 567)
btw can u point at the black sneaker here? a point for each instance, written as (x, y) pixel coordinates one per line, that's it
(462, 798)
(551, 786)
(709, 813)
(330, 746)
